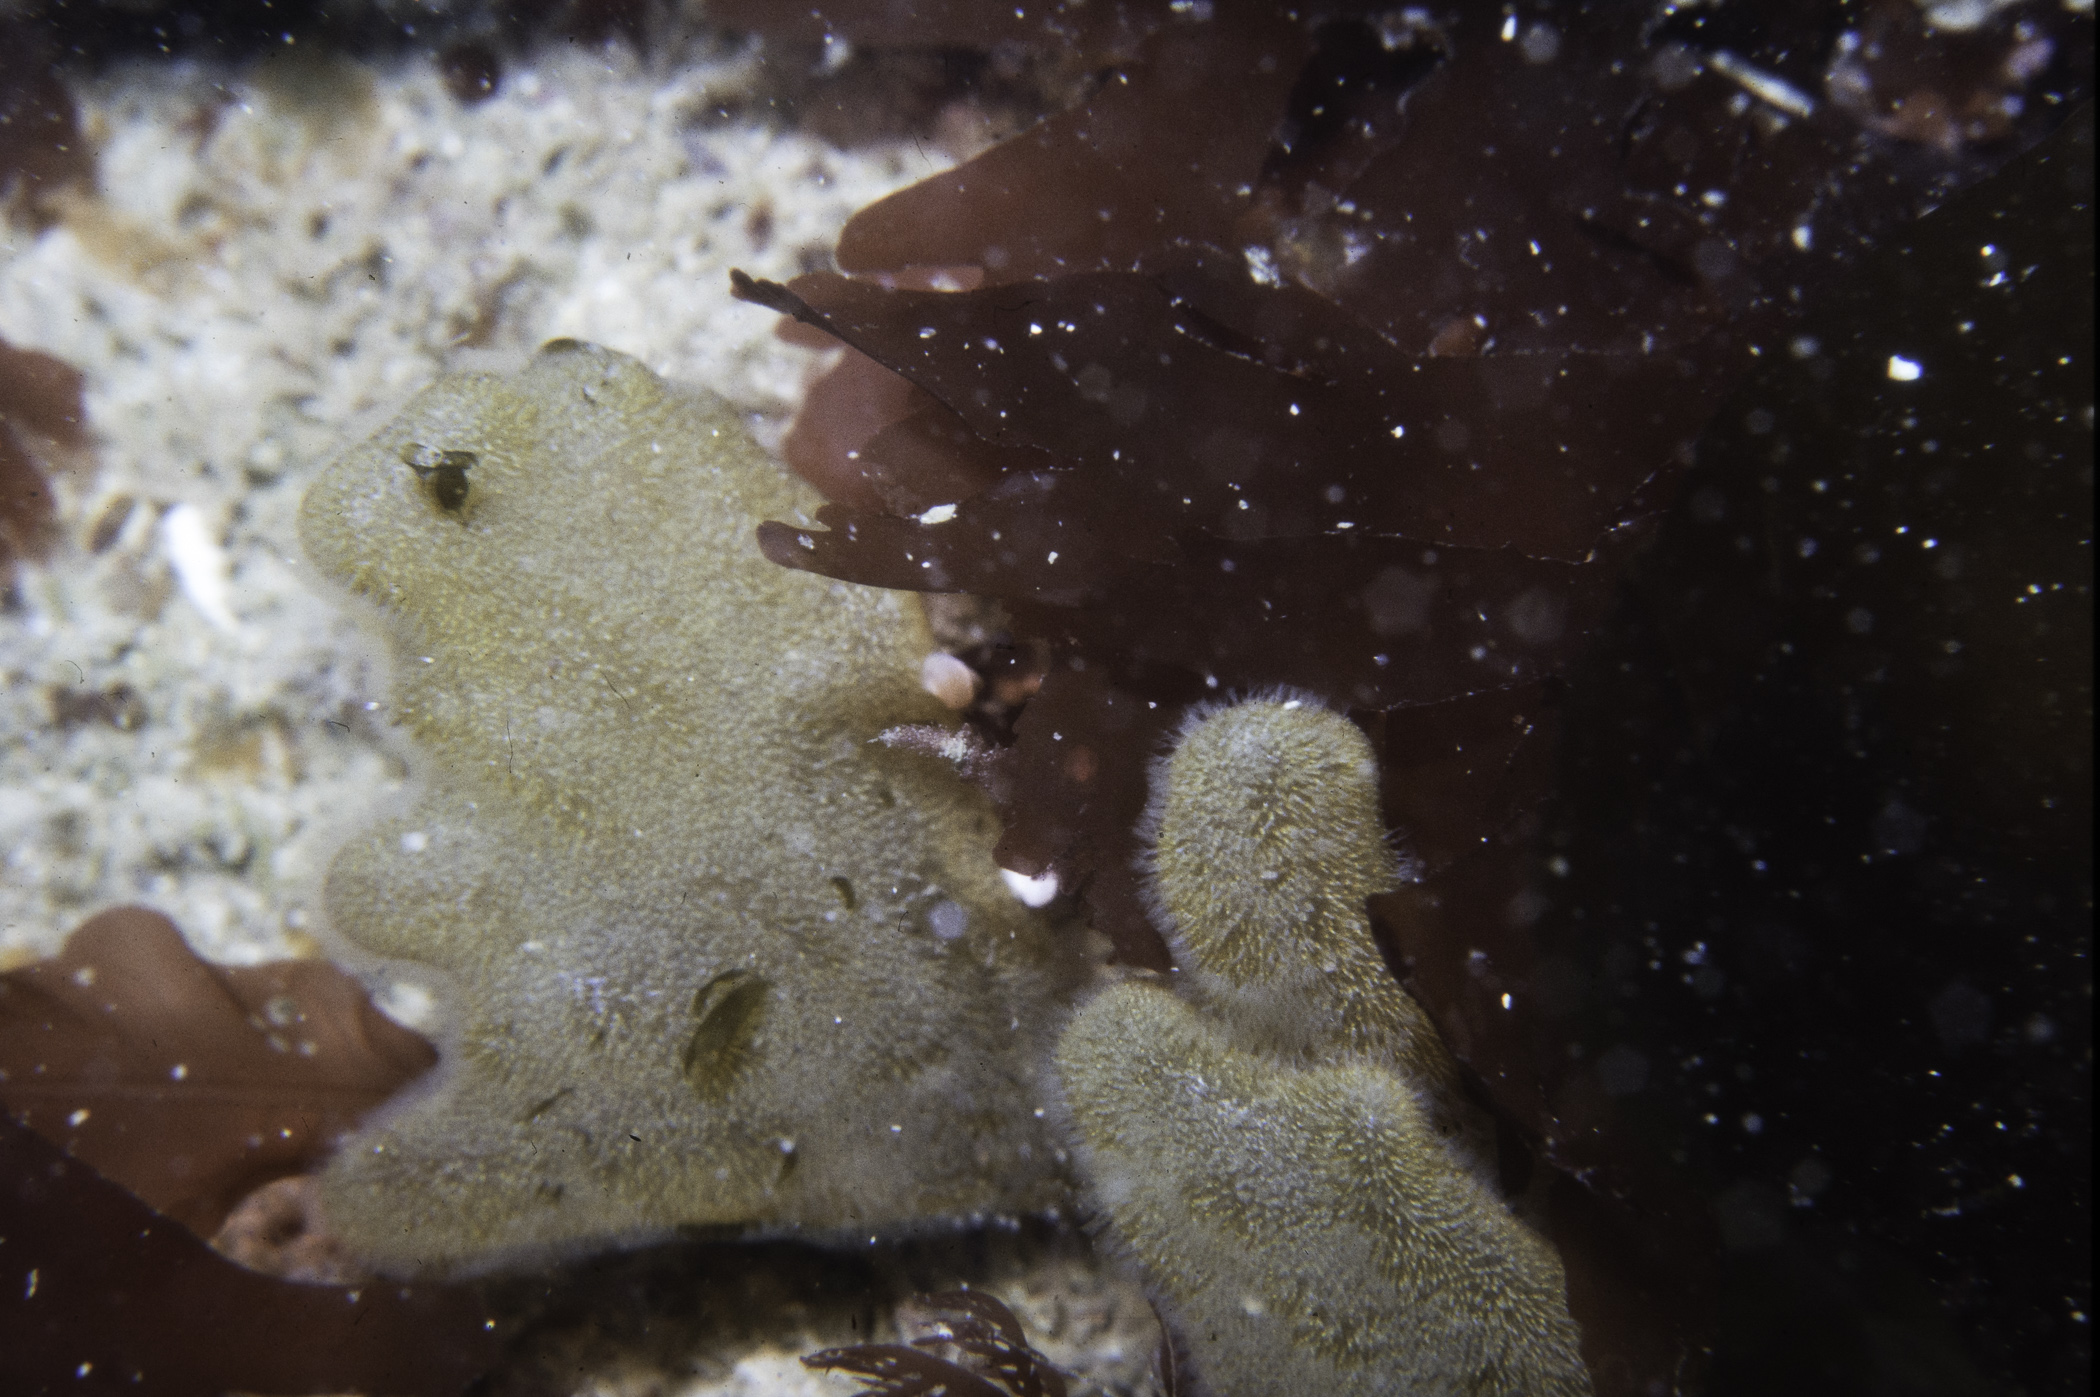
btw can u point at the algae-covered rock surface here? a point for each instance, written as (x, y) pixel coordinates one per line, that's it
(712, 956)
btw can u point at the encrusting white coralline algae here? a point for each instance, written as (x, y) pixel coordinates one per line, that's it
(276, 257)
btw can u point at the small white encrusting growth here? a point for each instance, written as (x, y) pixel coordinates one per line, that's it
(948, 679)
(1038, 890)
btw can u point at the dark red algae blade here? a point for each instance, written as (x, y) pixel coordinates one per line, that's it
(192, 1084)
(99, 1293)
(1393, 431)
(1124, 380)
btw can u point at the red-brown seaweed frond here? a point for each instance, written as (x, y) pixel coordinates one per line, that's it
(969, 1345)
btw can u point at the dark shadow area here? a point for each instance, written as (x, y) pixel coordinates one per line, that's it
(1819, 866)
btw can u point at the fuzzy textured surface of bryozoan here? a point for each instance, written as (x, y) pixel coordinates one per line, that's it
(1283, 1150)
(712, 958)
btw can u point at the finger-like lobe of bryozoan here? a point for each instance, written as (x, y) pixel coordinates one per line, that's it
(1282, 1146)
(1266, 845)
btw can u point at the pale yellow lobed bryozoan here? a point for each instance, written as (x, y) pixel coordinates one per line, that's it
(713, 956)
(1265, 818)
(1283, 1151)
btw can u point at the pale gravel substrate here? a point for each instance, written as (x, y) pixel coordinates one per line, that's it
(243, 297)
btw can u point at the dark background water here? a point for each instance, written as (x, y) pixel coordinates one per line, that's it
(1826, 816)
